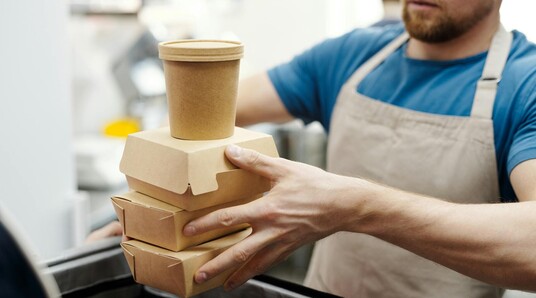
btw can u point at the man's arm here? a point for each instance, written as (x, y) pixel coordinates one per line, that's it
(495, 243)
(258, 101)
(523, 179)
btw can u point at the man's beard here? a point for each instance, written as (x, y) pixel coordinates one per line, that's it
(444, 27)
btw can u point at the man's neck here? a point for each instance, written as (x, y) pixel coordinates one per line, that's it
(472, 42)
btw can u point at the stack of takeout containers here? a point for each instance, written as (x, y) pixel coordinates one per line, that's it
(180, 173)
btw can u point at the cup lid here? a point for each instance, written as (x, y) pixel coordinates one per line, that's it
(196, 50)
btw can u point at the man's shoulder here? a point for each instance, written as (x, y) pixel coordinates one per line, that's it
(374, 37)
(517, 89)
(521, 64)
(355, 47)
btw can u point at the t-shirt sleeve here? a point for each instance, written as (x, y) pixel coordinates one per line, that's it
(524, 143)
(308, 85)
(297, 82)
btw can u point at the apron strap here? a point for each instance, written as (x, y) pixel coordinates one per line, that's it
(486, 88)
(376, 60)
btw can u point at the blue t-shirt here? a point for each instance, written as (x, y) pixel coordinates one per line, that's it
(309, 84)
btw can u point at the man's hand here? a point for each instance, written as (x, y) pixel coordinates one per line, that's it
(304, 205)
(110, 230)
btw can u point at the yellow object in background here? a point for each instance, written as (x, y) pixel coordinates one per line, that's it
(122, 127)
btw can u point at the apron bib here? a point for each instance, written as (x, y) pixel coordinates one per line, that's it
(447, 157)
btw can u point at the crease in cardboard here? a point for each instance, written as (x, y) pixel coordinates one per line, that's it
(120, 212)
(178, 278)
(131, 260)
(167, 217)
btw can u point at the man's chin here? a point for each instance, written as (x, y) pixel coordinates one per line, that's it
(430, 30)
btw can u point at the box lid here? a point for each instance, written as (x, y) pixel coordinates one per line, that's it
(155, 157)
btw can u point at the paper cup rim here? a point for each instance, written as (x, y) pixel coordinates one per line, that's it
(207, 50)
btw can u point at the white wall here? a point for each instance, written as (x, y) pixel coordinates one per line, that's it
(519, 15)
(274, 31)
(36, 166)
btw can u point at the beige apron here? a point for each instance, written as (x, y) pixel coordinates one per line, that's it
(447, 157)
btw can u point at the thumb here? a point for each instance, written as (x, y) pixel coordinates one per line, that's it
(253, 161)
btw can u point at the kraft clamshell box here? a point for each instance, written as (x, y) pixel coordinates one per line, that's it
(153, 221)
(174, 271)
(192, 174)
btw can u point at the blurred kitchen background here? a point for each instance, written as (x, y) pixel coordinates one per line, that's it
(78, 75)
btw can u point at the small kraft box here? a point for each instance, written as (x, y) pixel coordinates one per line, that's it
(192, 175)
(153, 221)
(174, 271)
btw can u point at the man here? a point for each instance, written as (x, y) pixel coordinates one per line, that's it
(448, 112)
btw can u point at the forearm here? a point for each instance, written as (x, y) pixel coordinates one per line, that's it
(258, 102)
(495, 243)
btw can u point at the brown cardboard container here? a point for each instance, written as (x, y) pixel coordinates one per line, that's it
(153, 221)
(192, 175)
(201, 84)
(174, 271)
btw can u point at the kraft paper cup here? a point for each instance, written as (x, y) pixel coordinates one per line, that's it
(202, 84)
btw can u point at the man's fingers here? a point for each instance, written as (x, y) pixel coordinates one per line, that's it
(219, 219)
(254, 161)
(112, 229)
(233, 257)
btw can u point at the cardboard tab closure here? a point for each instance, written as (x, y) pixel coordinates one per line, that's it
(174, 271)
(192, 174)
(161, 224)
